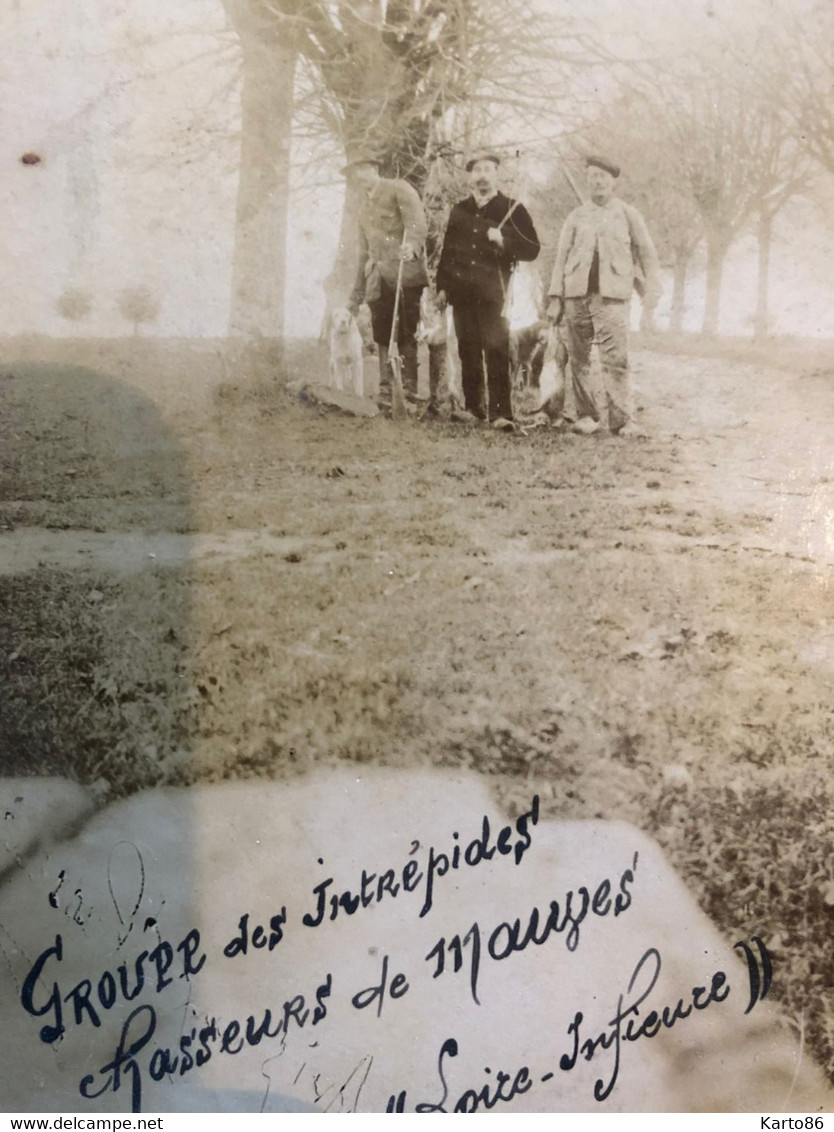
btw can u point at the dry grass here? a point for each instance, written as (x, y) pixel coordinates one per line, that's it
(554, 613)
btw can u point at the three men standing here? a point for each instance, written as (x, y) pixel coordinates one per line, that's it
(604, 252)
(392, 239)
(486, 236)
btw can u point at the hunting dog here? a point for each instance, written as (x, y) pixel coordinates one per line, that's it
(346, 364)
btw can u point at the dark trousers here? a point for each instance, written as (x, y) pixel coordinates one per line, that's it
(382, 319)
(484, 337)
(382, 314)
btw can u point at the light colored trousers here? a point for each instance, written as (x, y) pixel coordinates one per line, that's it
(605, 320)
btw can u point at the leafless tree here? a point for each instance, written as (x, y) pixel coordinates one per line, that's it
(794, 78)
(732, 152)
(805, 46)
(783, 172)
(74, 304)
(270, 36)
(391, 76)
(137, 305)
(420, 81)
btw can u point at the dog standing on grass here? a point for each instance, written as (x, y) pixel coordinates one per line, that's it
(346, 364)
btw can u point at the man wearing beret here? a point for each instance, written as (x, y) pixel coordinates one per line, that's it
(392, 228)
(486, 236)
(604, 252)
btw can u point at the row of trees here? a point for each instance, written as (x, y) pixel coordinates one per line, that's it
(716, 140)
(706, 159)
(136, 305)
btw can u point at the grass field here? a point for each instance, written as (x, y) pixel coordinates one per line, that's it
(641, 630)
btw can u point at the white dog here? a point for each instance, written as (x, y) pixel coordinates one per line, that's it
(346, 363)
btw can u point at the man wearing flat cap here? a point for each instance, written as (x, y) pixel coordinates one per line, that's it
(604, 253)
(487, 234)
(392, 228)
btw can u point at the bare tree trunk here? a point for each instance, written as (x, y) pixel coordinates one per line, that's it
(259, 263)
(717, 248)
(339, 283)
(763, 291)
(678, 291)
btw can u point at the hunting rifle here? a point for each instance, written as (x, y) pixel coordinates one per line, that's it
(399, 411)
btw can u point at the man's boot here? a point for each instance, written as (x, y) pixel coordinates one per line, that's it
(383, 397)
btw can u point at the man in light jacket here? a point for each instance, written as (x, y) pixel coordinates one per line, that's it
(604, 253)
(392, 227)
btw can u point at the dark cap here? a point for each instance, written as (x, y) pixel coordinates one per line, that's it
(487, 155)
(603, 163)
(360, 157)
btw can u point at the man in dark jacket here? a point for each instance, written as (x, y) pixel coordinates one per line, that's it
(486, 236)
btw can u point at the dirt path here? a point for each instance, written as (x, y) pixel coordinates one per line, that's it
(755, 442)
(32, 548)
(749, 446)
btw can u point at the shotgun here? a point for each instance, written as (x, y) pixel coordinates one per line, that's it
(399, 411)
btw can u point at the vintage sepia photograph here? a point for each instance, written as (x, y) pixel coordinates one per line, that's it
(416, 556)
